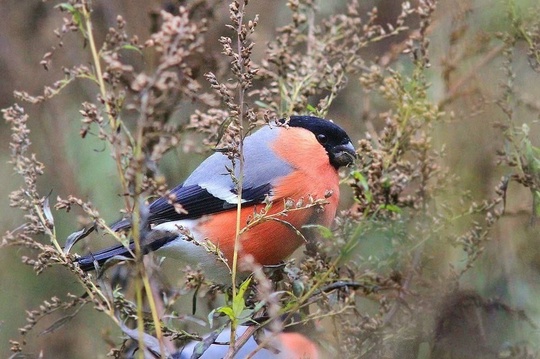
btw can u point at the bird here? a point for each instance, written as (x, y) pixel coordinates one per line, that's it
(288, 161)
(282, 345)
(295, 340)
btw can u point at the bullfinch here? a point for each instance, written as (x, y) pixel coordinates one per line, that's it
(290, 161)
(284, 345)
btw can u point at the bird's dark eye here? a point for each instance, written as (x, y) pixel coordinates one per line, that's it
(322, 138)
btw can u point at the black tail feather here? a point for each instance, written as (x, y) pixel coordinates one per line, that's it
(87, 262)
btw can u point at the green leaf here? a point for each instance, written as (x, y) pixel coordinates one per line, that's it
(291, 303)
(75, 13)
(262, 104)
(222, 128)
(228, 311)
(311, 109)
(536, 203)
(358, 176)
(238, 307)
(131, 48)
(391, 208)
(66, 7)
(325, 232)
(239, 304)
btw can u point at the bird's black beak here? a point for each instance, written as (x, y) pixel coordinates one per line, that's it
(343, 155)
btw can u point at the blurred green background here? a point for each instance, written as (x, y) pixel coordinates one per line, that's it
(508, 270)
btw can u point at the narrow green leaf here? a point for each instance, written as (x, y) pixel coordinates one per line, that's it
(391, 208)
(325, 232)
(66, 7)
(262, 104)
(239, 303)
(228, 311)
(131, 48)
(311, 109)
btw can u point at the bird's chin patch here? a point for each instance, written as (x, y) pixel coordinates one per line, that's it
(342, 158)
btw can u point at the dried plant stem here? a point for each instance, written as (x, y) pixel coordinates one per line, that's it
(140, 318)
(237, 247)
(239, 343)
(240, 179)
(52, 235)
(402, 183)
(103, 91)
(143, 275)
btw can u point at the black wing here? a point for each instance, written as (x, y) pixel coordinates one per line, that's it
(197, 202)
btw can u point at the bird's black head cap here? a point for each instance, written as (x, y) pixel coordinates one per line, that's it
(333, 138)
